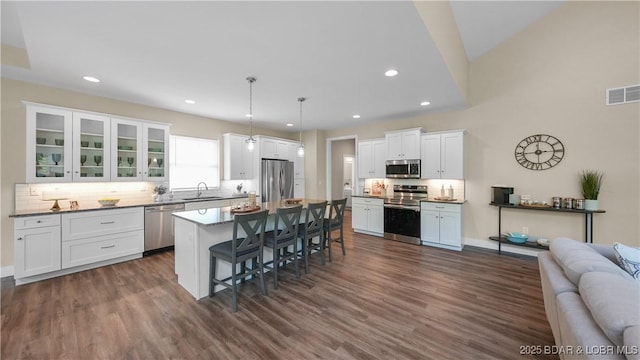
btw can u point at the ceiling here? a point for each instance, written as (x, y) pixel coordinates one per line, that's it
(333, 53)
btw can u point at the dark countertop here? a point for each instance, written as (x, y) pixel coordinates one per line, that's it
(120, 205)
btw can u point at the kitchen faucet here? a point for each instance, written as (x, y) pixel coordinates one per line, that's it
(205, 187)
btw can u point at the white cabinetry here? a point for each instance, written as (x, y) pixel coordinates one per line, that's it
(94, 236)
(371, 159)
(239, 162)
(367, 215)
(91, 147)
(274, 148)
(441, 225)
(155, 152)
(298, 188)
(403, 144)
(49, 144)
(443, 155)
(36, 245)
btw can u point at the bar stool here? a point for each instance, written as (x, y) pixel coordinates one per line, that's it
(284, 234)
(237, 251)
(335, 221)
(313, 227)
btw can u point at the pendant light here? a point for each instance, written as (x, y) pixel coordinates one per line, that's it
(251, 142)
(301, 146)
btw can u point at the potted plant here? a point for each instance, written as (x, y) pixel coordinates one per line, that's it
(591, 180)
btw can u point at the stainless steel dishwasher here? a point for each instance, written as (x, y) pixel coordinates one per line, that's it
(158, 227)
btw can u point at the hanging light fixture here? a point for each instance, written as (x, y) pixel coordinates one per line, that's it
(301, 146)
(251, 142)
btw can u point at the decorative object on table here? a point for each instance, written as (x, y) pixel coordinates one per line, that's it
(292, 201)
(252, 198)
(539, 152)
(543, 242)
(56, 158)
(83, 159)
(84, 143)
(97, 159)
(380, 188)
(73, 204)
(557, 202)
(108, 201)
(59, 142)
(514, 199)
(450, 192)
(535, 204)
(244, 209)
(567, 203)
(578, 204)
(41, 140)
(590, 182)
(516, 237)
(48, 196)
(158, 192)
(97, 144)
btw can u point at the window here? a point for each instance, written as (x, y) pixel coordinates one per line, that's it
(193, 160)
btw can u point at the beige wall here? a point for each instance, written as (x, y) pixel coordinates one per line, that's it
(13, 135)
(339, 149)
(551, 78)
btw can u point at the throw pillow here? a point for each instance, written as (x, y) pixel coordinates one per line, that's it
(629, 258)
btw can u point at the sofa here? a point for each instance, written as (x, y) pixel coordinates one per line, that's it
(591, 302)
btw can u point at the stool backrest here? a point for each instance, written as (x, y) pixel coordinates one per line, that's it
(287, 223)
(253, 225)
(315, 219)
(336, 211)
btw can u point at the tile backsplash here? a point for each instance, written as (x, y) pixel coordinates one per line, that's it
(31, 196)
(433, 185)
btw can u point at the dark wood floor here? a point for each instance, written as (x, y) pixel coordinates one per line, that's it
(384, 300)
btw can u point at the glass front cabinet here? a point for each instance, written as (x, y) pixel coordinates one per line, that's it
(64, 146)
(49, 147)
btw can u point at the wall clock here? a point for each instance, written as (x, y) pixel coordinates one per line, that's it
(539, 152)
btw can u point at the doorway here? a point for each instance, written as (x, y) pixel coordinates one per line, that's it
(341, 167)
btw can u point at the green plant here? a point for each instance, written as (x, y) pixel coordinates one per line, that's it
(591, 180)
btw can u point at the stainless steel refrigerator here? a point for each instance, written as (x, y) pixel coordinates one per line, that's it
(277, 180)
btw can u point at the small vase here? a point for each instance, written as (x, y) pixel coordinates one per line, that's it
(591, 205)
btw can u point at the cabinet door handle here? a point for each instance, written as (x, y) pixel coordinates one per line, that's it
(77, 171)
(68, 171)
(107, 247)
(107, 222)
(20, 238)
(39, 221)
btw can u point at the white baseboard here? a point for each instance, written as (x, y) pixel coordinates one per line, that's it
(493, 245)
(6, 271)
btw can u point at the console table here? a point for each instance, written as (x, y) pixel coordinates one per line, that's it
(588, 223)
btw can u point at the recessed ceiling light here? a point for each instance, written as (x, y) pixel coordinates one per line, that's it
(289, 125)
(425, 103)
(91, 78)
(391, 72)
(190, 101)
(356, 116)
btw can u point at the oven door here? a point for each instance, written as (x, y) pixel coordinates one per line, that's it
(402, 223)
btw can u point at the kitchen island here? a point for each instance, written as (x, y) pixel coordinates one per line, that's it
(197, 230)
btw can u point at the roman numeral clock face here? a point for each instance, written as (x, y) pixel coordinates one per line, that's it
(539, 152)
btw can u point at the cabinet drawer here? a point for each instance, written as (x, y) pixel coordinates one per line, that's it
(367, 201)
(102, 222)
(30, 222)
(100, 248)
(441, 206)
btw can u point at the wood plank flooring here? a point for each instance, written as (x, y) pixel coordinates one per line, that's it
(384, 300)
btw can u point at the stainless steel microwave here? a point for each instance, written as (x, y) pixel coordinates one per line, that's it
(403, 169)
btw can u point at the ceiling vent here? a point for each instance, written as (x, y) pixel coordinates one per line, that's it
(623, 95)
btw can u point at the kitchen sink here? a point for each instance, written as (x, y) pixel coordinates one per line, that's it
(205, 198)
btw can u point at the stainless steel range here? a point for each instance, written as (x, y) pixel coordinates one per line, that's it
(402, 213)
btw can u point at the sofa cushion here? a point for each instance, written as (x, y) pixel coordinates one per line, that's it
(576, 258)
(632, 343)
(554, 282)
(580, 331)
(614, 302)
(629, 258)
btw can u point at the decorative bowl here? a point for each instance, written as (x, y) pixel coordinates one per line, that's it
(59, 142)
(84, 143)
(97, 144)
(41, 140)
(108, 202)
(516, 237)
